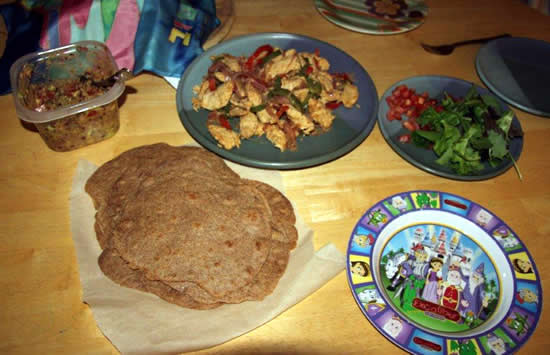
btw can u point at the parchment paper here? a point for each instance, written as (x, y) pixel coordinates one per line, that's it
(140, 323)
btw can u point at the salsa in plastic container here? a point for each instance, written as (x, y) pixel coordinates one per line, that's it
(57, 91)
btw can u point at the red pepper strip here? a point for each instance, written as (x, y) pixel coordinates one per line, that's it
(250, 62)
(309, 70)
(212, 84)
(332, 105)
(317, 52)
(282, 110)
(224, 122)
(342, 76)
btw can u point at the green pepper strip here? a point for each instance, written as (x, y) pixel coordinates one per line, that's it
(269, 57)
(257, 108)
(286, 93)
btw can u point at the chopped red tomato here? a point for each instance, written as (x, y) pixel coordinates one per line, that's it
(405, 138)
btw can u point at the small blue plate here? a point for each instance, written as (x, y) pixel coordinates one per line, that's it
(518, 71)
(349, 129)
(423, 158)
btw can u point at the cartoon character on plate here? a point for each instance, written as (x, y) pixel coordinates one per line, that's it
(505, 238)
(473, 295)
(433, 278)
(525, 295)
(466, 261)
(370, 296)
(414, 283)
(450, 290)
(376, 217)
(363, 240)
(483, 218)
(404, 270)
(360, 268)
(399, 203)
(392, 265)
(518, 323)
(522, 266)
(393, 326)
(463, 347)
(496, 344)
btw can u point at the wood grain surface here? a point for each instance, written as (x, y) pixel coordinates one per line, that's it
(42, 311)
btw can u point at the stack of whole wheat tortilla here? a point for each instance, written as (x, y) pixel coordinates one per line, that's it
(179, 223)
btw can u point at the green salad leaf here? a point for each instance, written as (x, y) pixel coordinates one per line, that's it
(466, 132)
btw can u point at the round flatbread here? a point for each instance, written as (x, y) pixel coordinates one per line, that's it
(216, 235)
(114, 267)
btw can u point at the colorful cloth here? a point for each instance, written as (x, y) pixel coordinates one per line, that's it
(143, 35)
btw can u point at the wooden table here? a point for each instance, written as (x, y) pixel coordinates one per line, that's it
(40, 295)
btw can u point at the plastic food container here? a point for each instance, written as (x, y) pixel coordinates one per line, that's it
(56, 90)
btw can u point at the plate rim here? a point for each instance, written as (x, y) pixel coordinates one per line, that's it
(475, 337)
(364, 30)
(493, 88)
(411, 160)
(346, 148)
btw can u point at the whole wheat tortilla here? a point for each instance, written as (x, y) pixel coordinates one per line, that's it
(179, 223)
(114, 267)
(217, 237)
(119, 179)
(283, 218)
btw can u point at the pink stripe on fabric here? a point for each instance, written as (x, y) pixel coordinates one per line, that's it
(123, 33)
(79, 10)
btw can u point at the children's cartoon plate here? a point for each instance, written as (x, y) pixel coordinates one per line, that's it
(379, 17)
(438, 274)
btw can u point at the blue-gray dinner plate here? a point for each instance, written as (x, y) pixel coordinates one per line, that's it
(425, 159)
(350, 128)
(517, 70)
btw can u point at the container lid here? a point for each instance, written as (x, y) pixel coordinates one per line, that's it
(34, 116)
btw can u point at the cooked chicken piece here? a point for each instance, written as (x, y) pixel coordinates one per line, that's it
(228, 139)
(240, 102)
(315, 61)
(265, 117)
(250, 126)
(253, 94)
(350, 94)
(304, 123)
(282, 64)
(213, 100)
(200, 91)
(239, 88)
(335, 95)
(221, 76)
(237, 111)
(325, 79)
(293, 82)
(232, 63)
(301, 94)
(320, 114)
(276, 136)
